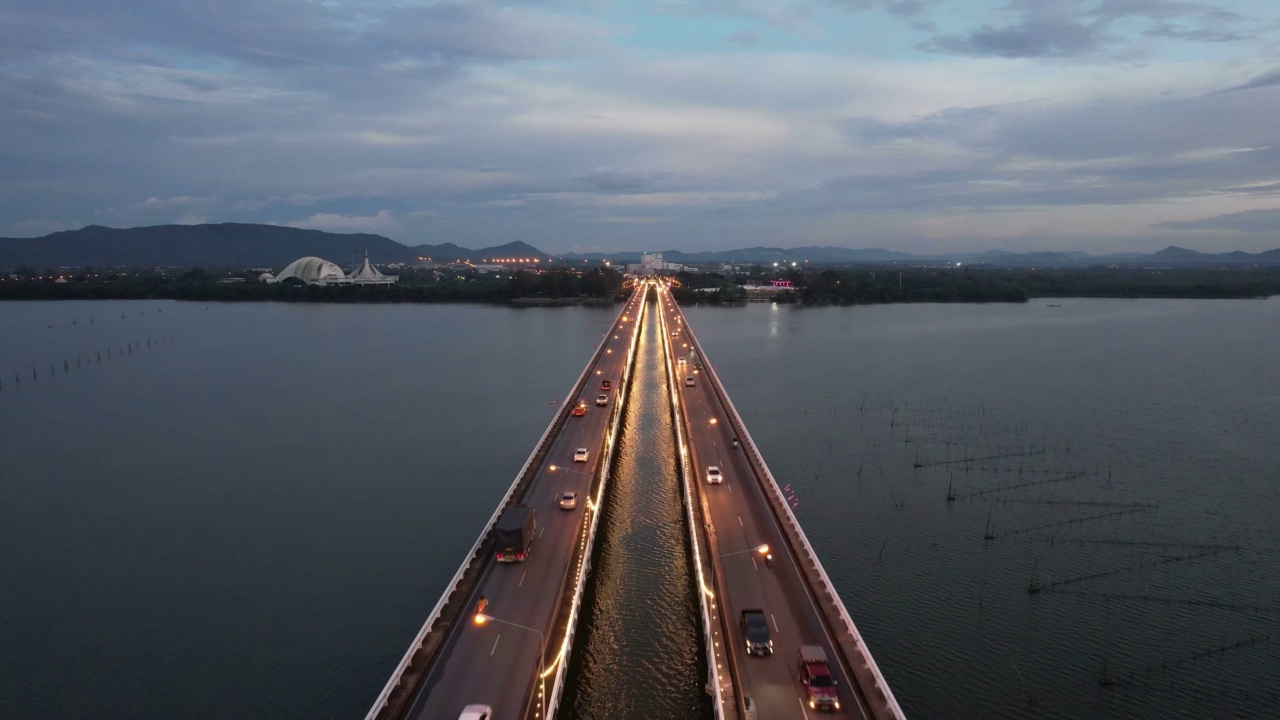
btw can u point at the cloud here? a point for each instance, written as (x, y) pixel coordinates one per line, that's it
(37, 228)
(609, 179)
(1074, 28)
(1032, 38)
(381, 224)
(1249, 221)
(179, 210)
(745, 37)
(1267, 80)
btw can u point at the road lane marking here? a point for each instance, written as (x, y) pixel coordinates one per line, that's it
(740, 521)
(753, 562)
(521, 584)
(775, 624)
(731, 488)
(803, 709)
(544, 529)
(495, 645)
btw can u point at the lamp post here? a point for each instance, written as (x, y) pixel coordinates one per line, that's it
(561, 468)
(759, 549)
(482, 618)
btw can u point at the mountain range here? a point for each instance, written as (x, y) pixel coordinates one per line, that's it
(240, 245)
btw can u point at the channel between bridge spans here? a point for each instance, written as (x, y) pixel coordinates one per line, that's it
(587, 548)
(855, 654)
(400, 688)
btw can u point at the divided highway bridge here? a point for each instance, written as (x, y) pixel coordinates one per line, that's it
(513, 655)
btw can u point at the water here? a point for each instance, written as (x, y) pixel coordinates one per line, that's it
(252, 518)
(1169, 402)
(639, 647)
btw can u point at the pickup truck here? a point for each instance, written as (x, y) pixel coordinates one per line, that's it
(815, 675)
(755, 628)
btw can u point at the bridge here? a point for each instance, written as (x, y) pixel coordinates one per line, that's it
(512, 653)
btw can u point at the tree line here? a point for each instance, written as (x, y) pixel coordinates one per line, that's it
(854, 286)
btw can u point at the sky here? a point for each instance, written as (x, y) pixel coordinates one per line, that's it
(599, 125)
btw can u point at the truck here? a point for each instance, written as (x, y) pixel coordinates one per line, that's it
(514, 533)
(755, 628)
(815, 675)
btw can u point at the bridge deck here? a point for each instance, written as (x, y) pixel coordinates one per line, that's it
(739, 516)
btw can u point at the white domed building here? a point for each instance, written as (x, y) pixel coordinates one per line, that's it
(313, 271)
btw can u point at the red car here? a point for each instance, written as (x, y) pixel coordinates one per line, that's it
(579, 410)
(606, 385)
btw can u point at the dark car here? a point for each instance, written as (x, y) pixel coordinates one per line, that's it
(755, 628)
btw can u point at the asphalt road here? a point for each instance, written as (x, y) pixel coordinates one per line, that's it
(496, 663)
(742, 519)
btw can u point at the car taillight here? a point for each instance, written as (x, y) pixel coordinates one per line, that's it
(520, 556)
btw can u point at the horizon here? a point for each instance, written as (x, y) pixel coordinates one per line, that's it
(912, 126)
(923, 255)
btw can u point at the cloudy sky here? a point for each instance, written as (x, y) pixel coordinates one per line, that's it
(915, 125)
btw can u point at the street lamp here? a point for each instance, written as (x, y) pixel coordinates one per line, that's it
(559, 468)
(482, 618)
(759, 549)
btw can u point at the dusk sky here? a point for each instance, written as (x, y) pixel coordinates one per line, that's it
(912, 125)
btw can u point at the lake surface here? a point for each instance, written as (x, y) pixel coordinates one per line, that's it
(252, 516)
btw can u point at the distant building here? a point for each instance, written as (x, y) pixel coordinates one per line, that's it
(635, 268)
(312, 271)
(367, 274)
(651, 262)
(317, 271)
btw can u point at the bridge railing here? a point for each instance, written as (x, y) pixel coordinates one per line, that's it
(384, 700)
(875, 688)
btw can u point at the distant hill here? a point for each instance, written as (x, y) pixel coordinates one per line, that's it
(240, 245)
(231, 245)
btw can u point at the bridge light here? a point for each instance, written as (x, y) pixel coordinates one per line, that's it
(763, 549)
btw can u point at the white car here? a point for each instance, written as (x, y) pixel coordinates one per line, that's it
(713, 475)
(602, 400)
(680, 361)
(476, 712)
(568, 500)
(580, 455)
(688, 382)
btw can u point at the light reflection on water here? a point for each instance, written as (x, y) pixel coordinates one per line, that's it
(639, 648)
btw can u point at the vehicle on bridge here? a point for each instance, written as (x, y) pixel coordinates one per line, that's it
(568, 500)
(580, 455)
(514, 533)
(602, 400)
(606, 385)
(580, 409)
(713, 475)
(688, 382)
(755, 628)
(815, 675)
(476, 712)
